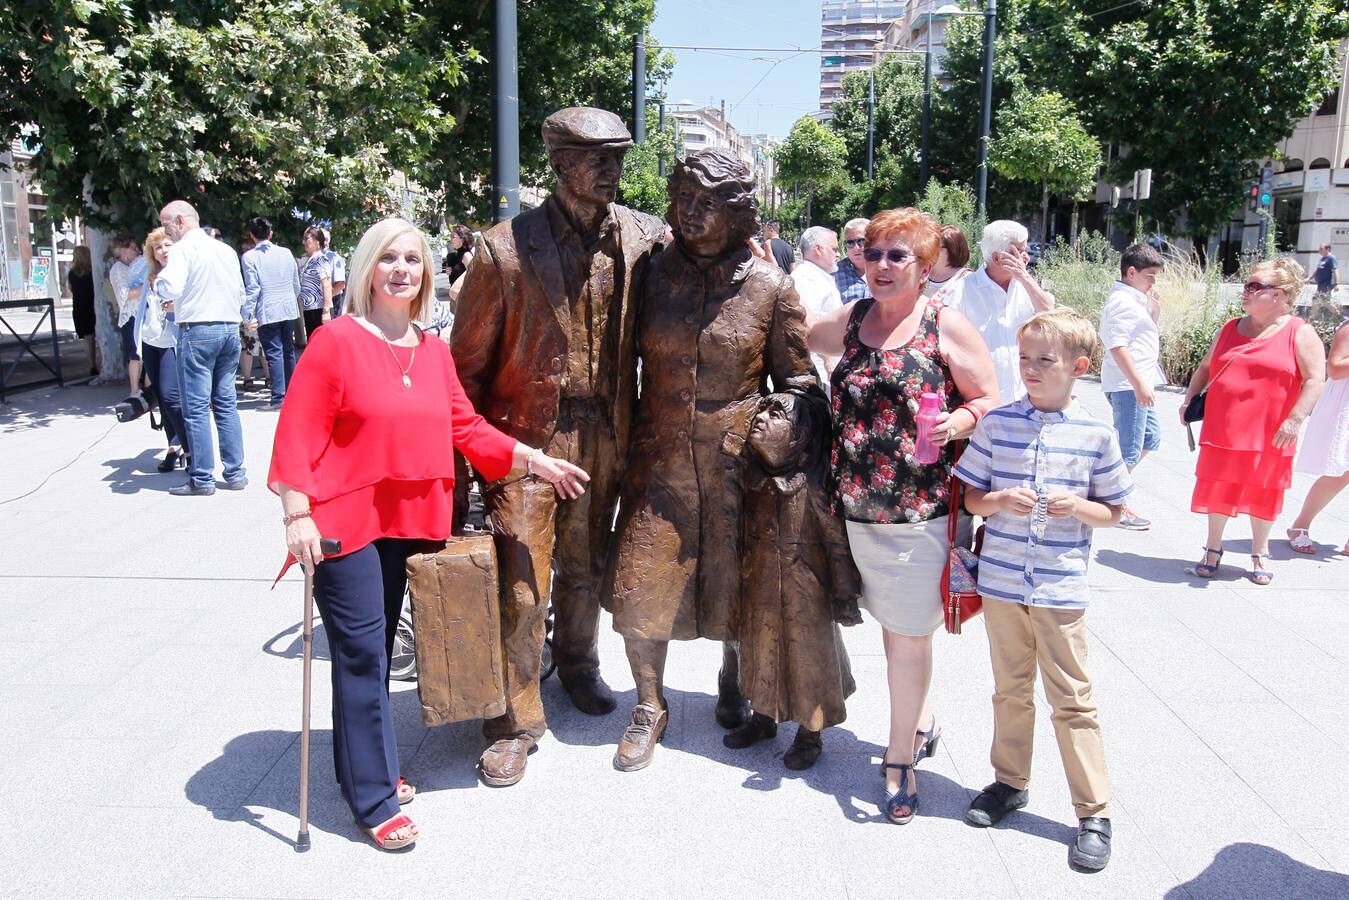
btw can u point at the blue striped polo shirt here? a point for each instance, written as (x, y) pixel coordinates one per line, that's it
(1018, 445)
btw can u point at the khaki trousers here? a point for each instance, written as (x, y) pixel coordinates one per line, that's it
(1019, 638)
(534, 532)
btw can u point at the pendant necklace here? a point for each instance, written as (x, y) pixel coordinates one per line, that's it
(407, 381)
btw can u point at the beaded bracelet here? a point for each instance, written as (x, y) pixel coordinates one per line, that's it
(529, 460)
(296, 516)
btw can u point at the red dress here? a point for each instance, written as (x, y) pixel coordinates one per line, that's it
(1239, 468)
(372, 455)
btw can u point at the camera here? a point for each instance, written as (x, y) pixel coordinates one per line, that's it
(134, 407)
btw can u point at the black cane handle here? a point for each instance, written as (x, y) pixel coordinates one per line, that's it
(330, 546)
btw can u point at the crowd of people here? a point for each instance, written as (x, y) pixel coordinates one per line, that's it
(811, 439)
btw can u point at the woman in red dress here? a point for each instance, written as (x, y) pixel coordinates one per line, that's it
(1263, 374)
(363, 454)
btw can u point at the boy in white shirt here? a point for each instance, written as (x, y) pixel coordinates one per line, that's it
(1130, 368)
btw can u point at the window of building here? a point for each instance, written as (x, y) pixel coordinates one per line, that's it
(1330, 104)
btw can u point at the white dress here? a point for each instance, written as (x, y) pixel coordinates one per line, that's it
(1324, 448)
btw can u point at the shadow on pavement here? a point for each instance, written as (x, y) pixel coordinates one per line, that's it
(45, 407)
(1254, 870)
(131, 476)
(289, 644)
(1159, 569)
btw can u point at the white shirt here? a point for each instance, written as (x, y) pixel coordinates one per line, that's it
(996, 314)
(203, 280)
(819, 295)
(1126, 322)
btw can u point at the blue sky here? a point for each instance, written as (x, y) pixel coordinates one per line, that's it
(791, 89)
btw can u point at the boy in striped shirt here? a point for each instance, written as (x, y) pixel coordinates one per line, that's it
(1044, 473)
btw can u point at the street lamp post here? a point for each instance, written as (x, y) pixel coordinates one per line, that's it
(949, 11)
(986, 111)
(506, 114)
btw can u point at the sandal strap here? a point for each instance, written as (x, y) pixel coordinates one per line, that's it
(399, 821)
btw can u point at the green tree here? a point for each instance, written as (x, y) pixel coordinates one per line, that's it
(643, 186)
(1200, 92)
(241, 108)
(811, 161)
(571, 54)
(897, 131)
(953, 204)
(1041, 139)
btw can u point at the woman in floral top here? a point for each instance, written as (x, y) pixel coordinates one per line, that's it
(895, 346)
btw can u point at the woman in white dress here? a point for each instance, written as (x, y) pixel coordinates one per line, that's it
(1325, 446)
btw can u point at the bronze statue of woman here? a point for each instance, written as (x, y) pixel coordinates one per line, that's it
(714, 324)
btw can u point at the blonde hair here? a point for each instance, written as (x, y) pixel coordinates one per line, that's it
(152, 240)
(373, 244)
(1289, 277)
(1066, 328)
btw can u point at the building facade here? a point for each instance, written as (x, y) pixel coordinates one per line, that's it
(36, 248)
(852, 35)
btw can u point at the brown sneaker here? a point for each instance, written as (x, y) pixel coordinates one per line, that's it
(503, 763)
(640, 738)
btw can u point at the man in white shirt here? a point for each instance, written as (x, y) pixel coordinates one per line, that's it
(1131, 367)
(203, 282)
(814, 280)
(999, 298)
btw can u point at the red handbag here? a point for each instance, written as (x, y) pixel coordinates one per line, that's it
(959, 582)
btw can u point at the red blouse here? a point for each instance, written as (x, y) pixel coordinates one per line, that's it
(372, 455)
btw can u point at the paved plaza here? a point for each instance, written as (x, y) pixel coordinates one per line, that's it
(150, 694)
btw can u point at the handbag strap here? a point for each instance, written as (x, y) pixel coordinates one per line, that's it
(1231, 357)
(955, 490)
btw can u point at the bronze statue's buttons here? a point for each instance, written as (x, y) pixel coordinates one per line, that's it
(689, 320)
(686, 395)
(682, 434)
(686, 359)
(557, 364)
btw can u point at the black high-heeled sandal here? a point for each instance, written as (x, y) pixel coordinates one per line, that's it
(900, 800)
(169, 462)
(930, 739)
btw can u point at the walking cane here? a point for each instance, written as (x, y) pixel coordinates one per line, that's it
(329, 547)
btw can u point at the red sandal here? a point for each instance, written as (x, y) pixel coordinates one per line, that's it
(405, 793)
(383, 836)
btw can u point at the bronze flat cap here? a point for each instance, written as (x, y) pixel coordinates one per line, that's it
(584, 127)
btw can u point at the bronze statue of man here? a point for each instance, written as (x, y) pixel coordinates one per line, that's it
(544, 343)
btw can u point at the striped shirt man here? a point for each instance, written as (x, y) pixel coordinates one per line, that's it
(1037, 560)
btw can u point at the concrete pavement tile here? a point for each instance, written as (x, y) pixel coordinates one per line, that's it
(1330, 843)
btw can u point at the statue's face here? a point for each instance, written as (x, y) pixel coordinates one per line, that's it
(774, 433)
(590, 175)
(704, 218)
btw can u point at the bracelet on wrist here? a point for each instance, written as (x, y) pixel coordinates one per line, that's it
(296, 516)
(529, 460)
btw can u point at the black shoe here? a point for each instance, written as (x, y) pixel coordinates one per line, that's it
(804, 751)
(758, 728)
(191, 490)
(1091, 849)
(732, 707)
(589, 693)
(237, 485)
(996, 801)
(169, 462)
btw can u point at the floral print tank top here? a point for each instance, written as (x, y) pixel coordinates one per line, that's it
(875, 395)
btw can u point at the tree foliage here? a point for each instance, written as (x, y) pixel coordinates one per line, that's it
(242, 108)
(1199, 92)
(897, 131)
(1040, 139)
(811, 161)
(643, 186)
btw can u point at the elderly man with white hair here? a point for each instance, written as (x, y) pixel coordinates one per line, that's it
(204, 283)
(850, 277)
(814, 280)
(999, 298)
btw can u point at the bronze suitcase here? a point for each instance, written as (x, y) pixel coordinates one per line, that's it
(456, 618)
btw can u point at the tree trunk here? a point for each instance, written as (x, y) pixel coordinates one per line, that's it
(1072, 226)
(1044, 210)
(112, 367)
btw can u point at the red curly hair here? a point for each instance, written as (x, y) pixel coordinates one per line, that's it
(917, 229)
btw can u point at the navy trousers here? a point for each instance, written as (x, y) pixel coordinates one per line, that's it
(359, 597)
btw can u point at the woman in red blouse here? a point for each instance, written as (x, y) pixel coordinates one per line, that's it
(363, 454)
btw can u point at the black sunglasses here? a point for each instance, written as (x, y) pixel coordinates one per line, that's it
(1254, 287)
(855, 242)
(896, 255)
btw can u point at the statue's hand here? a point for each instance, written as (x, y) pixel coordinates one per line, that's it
(846, 611)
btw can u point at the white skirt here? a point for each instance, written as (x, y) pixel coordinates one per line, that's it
(1324, 448)
(901, 568)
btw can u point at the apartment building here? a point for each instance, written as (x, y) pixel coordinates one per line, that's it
(35, 249)
(852, 35)
(911, 31)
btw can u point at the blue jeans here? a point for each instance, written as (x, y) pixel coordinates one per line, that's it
(278, 345)
(1137, 425)
(208, 357)
(161, 367)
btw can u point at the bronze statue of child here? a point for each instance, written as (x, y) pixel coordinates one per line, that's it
(798, 580)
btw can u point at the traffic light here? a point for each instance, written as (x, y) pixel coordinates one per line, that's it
(1253, 197)
(1266, 198)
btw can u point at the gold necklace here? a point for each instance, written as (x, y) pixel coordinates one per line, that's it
(407, 382)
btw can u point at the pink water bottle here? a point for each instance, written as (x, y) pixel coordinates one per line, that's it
(924, 451)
